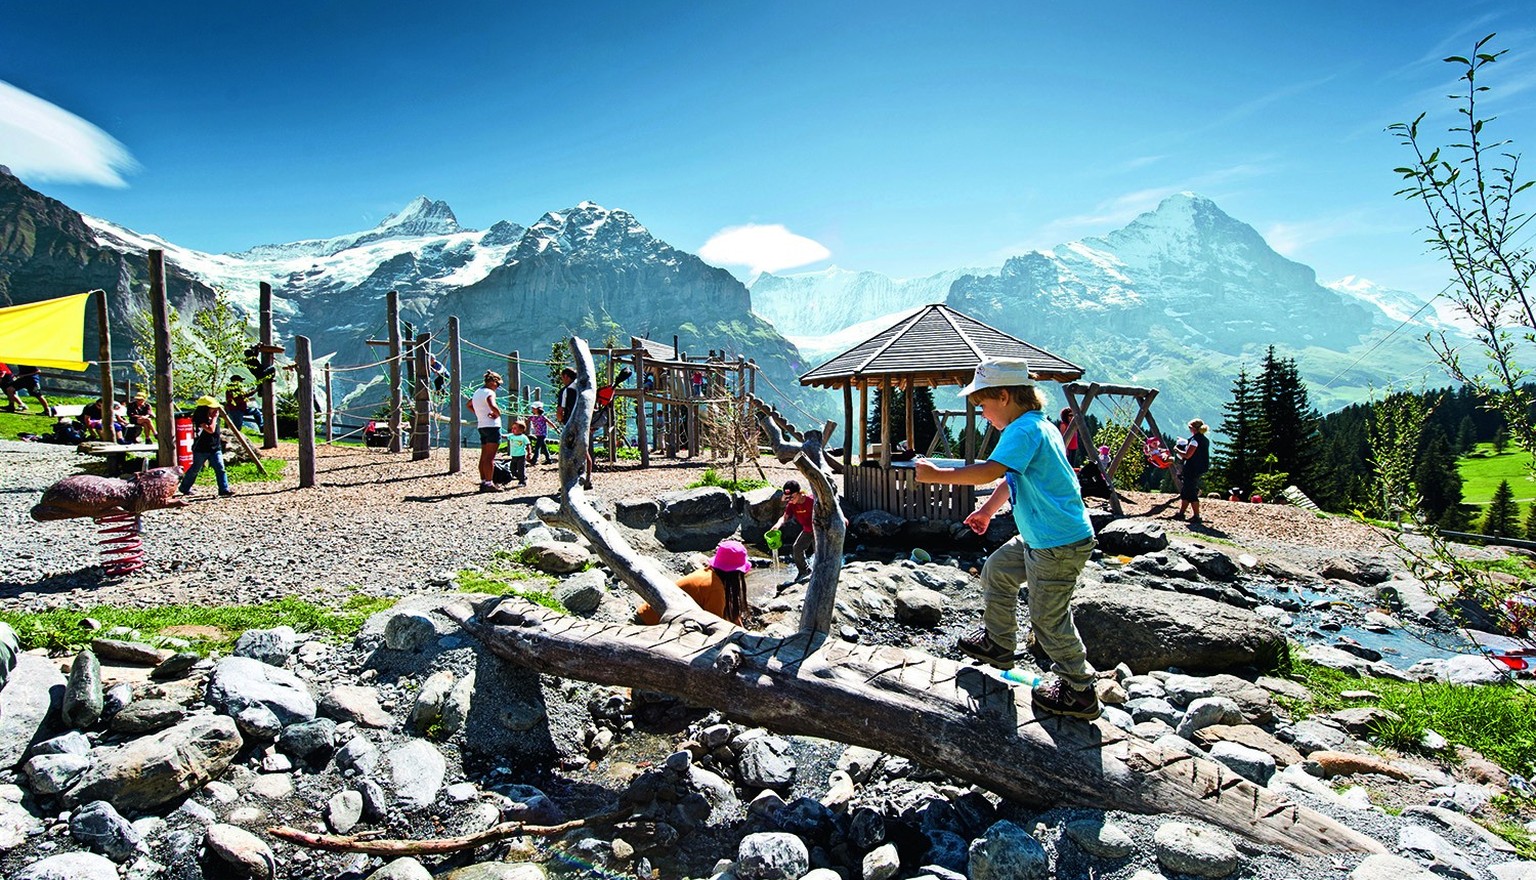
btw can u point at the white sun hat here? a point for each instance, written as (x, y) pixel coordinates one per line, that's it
(997, 373)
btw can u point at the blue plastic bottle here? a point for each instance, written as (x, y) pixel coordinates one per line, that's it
(1021, 676)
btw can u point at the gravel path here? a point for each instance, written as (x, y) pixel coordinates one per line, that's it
(378, 524)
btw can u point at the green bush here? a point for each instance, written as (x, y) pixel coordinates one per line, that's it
(712, 477)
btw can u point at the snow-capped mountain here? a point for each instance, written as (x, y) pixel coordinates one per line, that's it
(824, 303)
(1439, 313)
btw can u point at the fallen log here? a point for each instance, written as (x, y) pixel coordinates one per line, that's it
(946, 715)
(369, 844)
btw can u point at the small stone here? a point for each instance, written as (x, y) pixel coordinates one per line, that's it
(100, 827)
(355, 703)
(409, 631)
(83, 696)
(221, 792)
(1100, 839)
(272, 786)
(70, 866)
(175, 666)
(241, 849)
(1201, 852)
(147, 716)
(402, 869)
(344, 811)
(270, 646)
(52, 774)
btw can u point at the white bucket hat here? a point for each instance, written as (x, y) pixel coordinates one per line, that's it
(997, 373)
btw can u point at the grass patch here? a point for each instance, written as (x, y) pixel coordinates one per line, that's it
(1497, 720)
(1517, 566)
(1483, 469)
(60, 630)
(712, 477)
(508, 575)
(245, 472)
(36, 421)
(1512, 827)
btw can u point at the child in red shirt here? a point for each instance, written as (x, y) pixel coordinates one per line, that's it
(798, 505)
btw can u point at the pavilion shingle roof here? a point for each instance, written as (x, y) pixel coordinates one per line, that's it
(935, 346)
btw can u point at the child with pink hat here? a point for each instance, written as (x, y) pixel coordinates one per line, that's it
(720, 588)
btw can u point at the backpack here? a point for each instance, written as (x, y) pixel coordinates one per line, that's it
(69, 433)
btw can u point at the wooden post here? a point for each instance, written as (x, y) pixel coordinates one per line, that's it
(392, 316)
(640, 432)
(330, 407)
(911, 419)
(306, 376)
(970, 432)
(268, 389)
(514, 382)
(421, 446)
(694, 411)
(863, 421)
(885, 422)
(165, 405)
(105, 355)
(407, 364)
(752, 381)
(847, 435)
(455, 405)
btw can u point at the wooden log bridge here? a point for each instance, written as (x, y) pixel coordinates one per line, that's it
(943, 714)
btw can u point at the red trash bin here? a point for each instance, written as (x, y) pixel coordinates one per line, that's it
(184, 442)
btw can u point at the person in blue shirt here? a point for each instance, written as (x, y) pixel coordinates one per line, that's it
(1054, 542)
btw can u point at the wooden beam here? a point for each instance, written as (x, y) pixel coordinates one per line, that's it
(165, 402)
(885, 422)
(392, 316)
(455, 405)
(306, 376)
(421, 440)
(104, 354)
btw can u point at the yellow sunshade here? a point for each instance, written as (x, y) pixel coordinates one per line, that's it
(49, 333)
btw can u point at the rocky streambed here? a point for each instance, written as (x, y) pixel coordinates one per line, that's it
(137, 759)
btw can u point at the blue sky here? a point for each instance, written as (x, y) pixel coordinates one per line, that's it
(898, 137)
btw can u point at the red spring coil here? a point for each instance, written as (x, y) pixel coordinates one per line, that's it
(122, 550)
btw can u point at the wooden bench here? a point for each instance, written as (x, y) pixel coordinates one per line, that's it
(116, 454)
(69, 410)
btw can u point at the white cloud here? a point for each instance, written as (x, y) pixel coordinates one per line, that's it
(762, 248)
(40, 141)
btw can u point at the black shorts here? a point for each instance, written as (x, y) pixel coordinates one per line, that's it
(490, 436)
(32, 384)
(1189, 488)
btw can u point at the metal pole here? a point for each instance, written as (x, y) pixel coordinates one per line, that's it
(392, 315)
(455, 407)
(306, 375)
(515, 382)
(165, 406)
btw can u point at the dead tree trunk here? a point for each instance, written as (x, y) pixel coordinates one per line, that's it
(943, 714)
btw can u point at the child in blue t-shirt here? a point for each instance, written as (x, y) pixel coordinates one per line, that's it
(1054, 542)
(517, 448)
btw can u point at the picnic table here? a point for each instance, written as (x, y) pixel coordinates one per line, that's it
(116, 454)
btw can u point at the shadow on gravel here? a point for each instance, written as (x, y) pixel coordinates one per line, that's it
(433, 499)
(63, 582)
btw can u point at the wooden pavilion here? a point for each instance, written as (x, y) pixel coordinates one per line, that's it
(935, 346)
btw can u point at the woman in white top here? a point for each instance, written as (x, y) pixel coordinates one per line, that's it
(488, 419)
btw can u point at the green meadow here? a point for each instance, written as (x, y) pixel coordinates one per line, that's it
(1482, 469)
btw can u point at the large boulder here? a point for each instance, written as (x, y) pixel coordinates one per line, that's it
(696, 519)
(1132, 537)
(875, 525)
(153, 770)
(1150, 629)
(30, 706)
(241, 682)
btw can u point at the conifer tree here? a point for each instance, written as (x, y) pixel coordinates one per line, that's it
(1500, 440)
(1503, 518)
(1466, 435)
(1530, 524)
(1288, 424)
(1237, 454)
(1439, 483)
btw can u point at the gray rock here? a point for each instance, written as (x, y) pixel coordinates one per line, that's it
(100, 827)
(155, 769)
(52, 774)
(238, 682)
(1100, 839)
(919, 607)
(496, 871)
(147, 716)
(1193, 850)
(947, 850)
(1314, 736)
(875, 525)
(72, 743)
(16, 825)
(1132, 537)
(1443, 858)
(10, 649)
(1511, 871)
(417, 770)
(116, 699)
(637, 513)
(772, 855)
(1357, 568)
(311, 741)
(1006, 852)
(1381, 866)
(582, 592)
(243, 851)
(556, 557)
(270, 646)
(375, 801)
(84, 698)
(175, 666)
(427, 710)
(1209, 561)
(1181, 690)
(344, 810)
(136, 653)
(70, 866)
(1122, 622)
(721, 794)
(696, 519)
(257, 722)
(1207, 711)
(1153, 709)
(1459, 822)
(402, 869)
(1251, 764)
(409, 631)
(765, 763)
(356, 703)
(1175, 743)
(359, 754)
(881, 863)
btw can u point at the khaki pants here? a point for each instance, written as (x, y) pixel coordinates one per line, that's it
(1052, 575)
